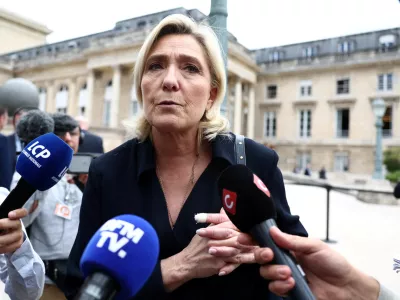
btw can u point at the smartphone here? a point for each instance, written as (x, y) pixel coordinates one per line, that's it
(80, 164)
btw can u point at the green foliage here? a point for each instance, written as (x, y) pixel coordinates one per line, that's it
(392, 159)
(393, 176)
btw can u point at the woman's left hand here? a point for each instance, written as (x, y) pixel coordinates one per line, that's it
(223, 242)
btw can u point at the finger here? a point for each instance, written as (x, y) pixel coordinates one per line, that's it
(242, 258)
(223, 251)
(17, 214)
(275, 272)
(10, 238)
(211, 218)
(245, 239)
(11, 248)
(10, 224)
(216, 233)
(281, 288)
(231, 242)
(229, 268)
(263, 255)
(296, 243)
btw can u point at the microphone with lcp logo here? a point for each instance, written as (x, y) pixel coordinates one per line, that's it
(248, 204)
(42, 163)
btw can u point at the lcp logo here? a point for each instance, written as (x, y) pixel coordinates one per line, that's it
(229, 201)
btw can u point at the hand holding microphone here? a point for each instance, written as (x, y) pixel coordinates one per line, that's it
(247, 202)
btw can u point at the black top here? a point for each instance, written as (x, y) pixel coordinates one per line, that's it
(91, 143)
(124, 181)
(7, 165)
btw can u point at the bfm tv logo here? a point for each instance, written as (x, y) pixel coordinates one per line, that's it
(229, 197)
(124, 229)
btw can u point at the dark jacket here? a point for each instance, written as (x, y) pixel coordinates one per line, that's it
(124, 181)
(396, 191)
(6, 165)
(92, 143)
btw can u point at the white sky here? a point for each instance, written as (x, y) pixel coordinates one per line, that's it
(256, 23)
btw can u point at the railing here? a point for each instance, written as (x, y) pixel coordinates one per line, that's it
(307, 181)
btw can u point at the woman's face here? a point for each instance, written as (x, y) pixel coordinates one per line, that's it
(176, 84)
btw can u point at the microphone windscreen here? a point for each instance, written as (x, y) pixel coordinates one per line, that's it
(245, 198)
(126, 248)
(44, 161)
(34, 124)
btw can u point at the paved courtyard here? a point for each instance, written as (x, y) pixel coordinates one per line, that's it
(368, 235)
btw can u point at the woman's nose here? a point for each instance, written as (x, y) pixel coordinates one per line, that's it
(171, 81)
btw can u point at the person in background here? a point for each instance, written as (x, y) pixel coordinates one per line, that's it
(92, 143)
(21, 269)
(54, 220)
(5, 164)
(329, 274)
(322, 173)
(307, 170)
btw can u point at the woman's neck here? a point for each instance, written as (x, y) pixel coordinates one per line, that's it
(173, 148)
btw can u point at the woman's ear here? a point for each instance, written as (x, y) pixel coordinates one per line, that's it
(213, 96)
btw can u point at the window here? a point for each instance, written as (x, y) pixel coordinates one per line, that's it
(346, 47)
(305, 88)
(274, 56)
(62, 99)
(141, 24)
(134, 104)
(342, 122)
(272, 91)
(385, 82)
(387, 122)
(270, 124)
(387, 42)
(303, 159)
(341, 162)
(107, 104)
(309, 52)
(42, 99)
(305, 123)
(343, 86)
(83, 99)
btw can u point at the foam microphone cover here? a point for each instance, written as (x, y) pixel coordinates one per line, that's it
(125, 248)
(245, 198)
(44, 161)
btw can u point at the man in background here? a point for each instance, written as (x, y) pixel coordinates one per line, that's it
(92, 143)
(5, 164)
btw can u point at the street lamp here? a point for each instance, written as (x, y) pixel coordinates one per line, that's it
(379, 107)
(218, 19)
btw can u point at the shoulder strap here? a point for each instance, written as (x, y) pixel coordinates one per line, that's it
(240, 150)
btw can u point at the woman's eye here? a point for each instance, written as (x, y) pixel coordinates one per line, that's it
(155, 66)
(192, 69)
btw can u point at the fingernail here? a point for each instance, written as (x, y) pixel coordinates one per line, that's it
(212, 251)
(200, 231)
(200, 218)
(282, 272)
(12, 215)
(222, 273)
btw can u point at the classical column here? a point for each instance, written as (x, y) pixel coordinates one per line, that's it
(237, 125)
(251, 113)
(116, 89)
(72, 108)
(50, 97)
(90, 95)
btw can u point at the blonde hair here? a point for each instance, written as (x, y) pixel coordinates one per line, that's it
(212, 123)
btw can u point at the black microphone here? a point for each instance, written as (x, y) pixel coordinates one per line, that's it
(248, 204)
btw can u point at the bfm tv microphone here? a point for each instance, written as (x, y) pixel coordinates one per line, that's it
(42, 163)
(248, 204)
(119, 259)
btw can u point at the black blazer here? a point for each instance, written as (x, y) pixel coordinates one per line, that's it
(6, 169)
(92, 143)
(396, 191)
(13, 150)
(123, 181)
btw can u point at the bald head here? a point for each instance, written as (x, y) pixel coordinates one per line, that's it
(83, 122)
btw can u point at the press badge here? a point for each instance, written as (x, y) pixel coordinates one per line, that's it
(63, 211)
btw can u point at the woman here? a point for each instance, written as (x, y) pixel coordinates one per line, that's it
(169, 172)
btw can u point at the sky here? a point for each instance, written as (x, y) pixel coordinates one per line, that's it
(255, 23)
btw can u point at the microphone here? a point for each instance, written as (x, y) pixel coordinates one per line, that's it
(42, 163)
(248, 204)
(119, 259)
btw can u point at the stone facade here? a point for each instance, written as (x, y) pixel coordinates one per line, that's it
(310, 101)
